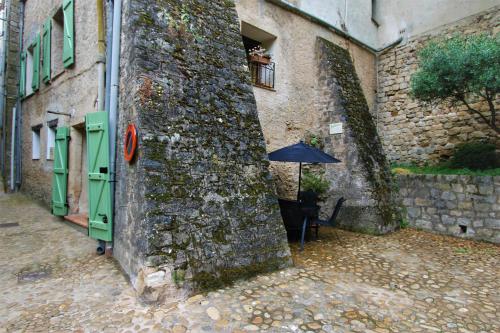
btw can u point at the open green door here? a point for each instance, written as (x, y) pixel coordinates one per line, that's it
(60, 176)
(100, 214)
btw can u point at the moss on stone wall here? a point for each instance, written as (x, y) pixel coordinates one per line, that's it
(338, 62)
(210, 207)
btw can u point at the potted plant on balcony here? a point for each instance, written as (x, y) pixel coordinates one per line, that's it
(257, 54)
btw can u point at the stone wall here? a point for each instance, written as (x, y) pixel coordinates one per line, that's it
(363, 177)
(197, 209)
(462, 206)
(411, 131)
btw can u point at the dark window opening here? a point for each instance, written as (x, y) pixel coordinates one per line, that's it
(259, 63)
(57, 65)
(463, 229)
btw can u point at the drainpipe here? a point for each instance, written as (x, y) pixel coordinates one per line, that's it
(113, 100)
(109, 37)
(13, 151)
(19, 110)
(3, 89)
(101, 57)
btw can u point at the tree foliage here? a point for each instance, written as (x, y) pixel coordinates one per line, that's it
(462, 69)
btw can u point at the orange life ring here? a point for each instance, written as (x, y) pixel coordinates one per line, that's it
(130, 142)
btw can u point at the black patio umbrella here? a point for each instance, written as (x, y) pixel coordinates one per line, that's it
(301, 153)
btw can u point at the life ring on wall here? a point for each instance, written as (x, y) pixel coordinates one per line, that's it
(130, 142)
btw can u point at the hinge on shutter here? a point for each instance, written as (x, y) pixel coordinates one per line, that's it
(104, 218)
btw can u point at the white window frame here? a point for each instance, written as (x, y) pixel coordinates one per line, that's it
(35, 143)
(29, 71)
(51, 142)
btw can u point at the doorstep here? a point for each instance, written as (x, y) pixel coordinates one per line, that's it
(80, 219)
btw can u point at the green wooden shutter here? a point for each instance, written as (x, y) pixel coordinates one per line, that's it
(100, 209)
(46, 40)
(69, 35)
(35, 83)
(22, 75)
(60, 176)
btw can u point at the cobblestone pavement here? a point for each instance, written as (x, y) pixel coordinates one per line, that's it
(410, 281)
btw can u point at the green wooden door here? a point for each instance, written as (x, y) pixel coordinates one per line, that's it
(60, 176)
(100, 214)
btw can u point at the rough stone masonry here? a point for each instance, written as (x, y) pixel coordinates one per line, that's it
(412, 131)
(363, 177)
(197, 209)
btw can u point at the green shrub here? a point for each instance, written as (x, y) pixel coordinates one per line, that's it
(461, 70)
(314, 182)
(475, 156)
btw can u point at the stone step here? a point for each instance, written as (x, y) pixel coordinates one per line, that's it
(80, 219)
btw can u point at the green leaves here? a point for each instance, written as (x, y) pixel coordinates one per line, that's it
(462, 69)
(314, 182)
(459, 66)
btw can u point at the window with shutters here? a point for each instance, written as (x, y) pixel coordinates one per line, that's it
(32, 67)
(32, 60)
(57, 43)
(35, 142)
(62, 41)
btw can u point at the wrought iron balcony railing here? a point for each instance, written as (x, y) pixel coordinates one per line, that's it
(262, 74)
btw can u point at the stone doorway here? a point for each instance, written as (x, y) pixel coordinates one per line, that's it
(77, 177)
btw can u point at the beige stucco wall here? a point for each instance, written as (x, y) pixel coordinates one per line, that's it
(289, 112)
(74, 91)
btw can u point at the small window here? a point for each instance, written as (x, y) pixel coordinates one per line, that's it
(35, 143)
(51, 141)
(29, 70)
(57, 43)
(259, 46)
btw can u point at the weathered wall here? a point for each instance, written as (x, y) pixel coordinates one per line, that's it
(444, 203)
(290, 113)
(412, 18)
(11, 84)
(353, 16)
(363, 177)
(201, 209)
(72, 91)
(410, 130)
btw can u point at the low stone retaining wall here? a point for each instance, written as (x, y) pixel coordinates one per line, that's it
(463, 206)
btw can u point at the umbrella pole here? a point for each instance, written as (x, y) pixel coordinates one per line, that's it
(300, 180)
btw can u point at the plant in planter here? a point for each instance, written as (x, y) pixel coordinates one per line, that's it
(314, 183)
(257, 54)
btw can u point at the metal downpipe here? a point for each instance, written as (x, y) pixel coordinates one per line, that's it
(3, 87)
(109, 37)
(101, 56)
(113, 100)
(19, 113)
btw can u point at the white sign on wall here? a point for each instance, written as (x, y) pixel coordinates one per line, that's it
(336, 128)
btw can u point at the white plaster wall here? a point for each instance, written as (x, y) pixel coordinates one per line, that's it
(416, 17)
(351, 16)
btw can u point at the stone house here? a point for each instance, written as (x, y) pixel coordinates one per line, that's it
(196, 205)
